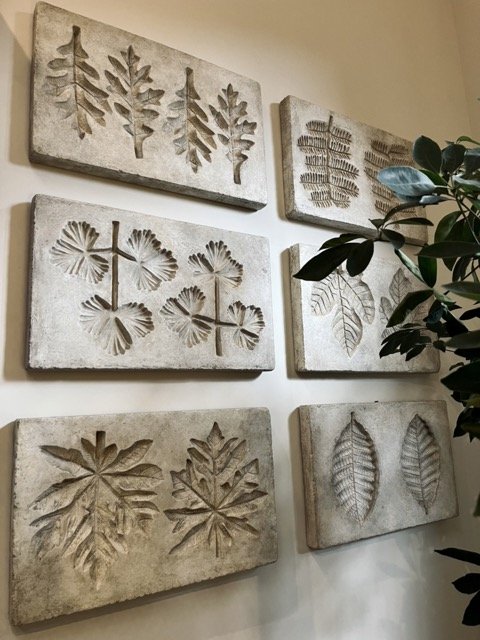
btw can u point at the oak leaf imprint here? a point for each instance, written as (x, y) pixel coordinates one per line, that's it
(89, 516)
(219, 493)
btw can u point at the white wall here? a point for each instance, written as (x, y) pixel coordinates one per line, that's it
(380, 61)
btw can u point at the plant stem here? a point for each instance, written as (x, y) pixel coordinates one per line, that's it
(115, 230)
(218, 329)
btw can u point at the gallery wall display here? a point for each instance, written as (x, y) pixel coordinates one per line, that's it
(113, 507)
(330, 168)
(113, 104)
(374, 468)
(112, 289)
(339, 322)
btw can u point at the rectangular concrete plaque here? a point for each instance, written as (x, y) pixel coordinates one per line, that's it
(114, 507)
(330, 167)
(340, 322)
(374, 468)
(113, 104)
(112, 289)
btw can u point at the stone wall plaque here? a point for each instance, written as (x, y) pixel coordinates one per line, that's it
(339, 323)
(113, 104)
(374, 468)
(330, 167)
(112, 289)
(113, 507)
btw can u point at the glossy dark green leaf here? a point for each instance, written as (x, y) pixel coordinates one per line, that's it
(471, 616)
(437, 180)
(445, 226)
(395, 238)
(428, 269)
(416, 351)
(410, 264)
(465, 378)
(413, 221)
(449, 249)
(460, 268)
(452, 157)
(469, 583)
(476, 512)
(427, 154)
(406, 181)
(341, 239)
(377, 222)
(471, 185)
(409, 302)
(467, 139)
(469, 340)
(324, 263)
(470, 290)
(460, 554)
(360, 257)
(471, 313)
(471, 161)
(398, 209)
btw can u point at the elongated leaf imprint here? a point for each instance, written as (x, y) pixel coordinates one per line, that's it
(135, 101)
(231, 118)
(89, 515)
(331, 176)
(353, 302)
(420, 462)
(219, 494)
(190, 120)
(355, 471)
(78, 97)
(398, 289)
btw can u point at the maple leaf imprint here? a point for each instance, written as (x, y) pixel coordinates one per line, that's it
(218, 491)
(89, 515)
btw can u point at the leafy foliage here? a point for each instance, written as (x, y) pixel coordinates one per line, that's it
(435, 316)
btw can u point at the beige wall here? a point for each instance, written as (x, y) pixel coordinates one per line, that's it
(384, 62)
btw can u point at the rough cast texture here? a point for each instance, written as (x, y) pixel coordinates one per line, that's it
(339, 322)
(374, 468)
(113, 104)
(111, 289)
(330, 167)
(113, 507)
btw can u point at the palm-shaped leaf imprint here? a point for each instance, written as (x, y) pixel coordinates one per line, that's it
(153, 264)
(217, 263)
(228, 119)
(115, 329)
(74, 252)
(248, 323)
(331, 177)
(193, 135)
(355, 470)
(353, 302)
(136, 102)
(398, 289)
(79, 97)
(420, 462)
(219, 494)
(379, 156)
(89, 515)
(182, 315)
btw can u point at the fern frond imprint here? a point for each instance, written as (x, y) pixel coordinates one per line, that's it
(231, 118)
(89, 515)
(79, 96)
(331, 177)
(355, 471)
(353, 302)
(136, 102)
(114, 326)
(190, 121)
(219, 494)
(420, 462)
(183, 313)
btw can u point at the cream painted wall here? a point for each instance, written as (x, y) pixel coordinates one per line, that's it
(367, 59)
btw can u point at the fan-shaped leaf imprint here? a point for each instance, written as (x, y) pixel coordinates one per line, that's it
(355, 471)
(74, 252)
(153, 264)
(420, 462)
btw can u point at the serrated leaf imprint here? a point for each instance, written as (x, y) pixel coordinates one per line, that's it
(219, 493)
(355, 471)
(331, 177)
(78, 96)
(353, 302)
(136, 102)
(183, 314)
(420, 462)
(91, 515)
(231, 119)
(194, 137)
(114, 326)
(398, 289)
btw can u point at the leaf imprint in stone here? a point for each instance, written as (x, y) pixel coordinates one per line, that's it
(74, 252)
(153, 264)
(182, 315)
(355, 471)
(217, 262)
(249, 323)
(420, 462)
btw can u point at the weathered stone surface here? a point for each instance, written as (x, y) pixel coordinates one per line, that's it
(112, 289)
(330, 164)
(113, 507)
(113, 104)
(339, 323)
(374, 468)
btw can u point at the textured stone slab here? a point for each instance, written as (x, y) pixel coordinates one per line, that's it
(339, 323)
(113, 507)
(111, 289)
(374, 468)
(113, 104)
(330, 167)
